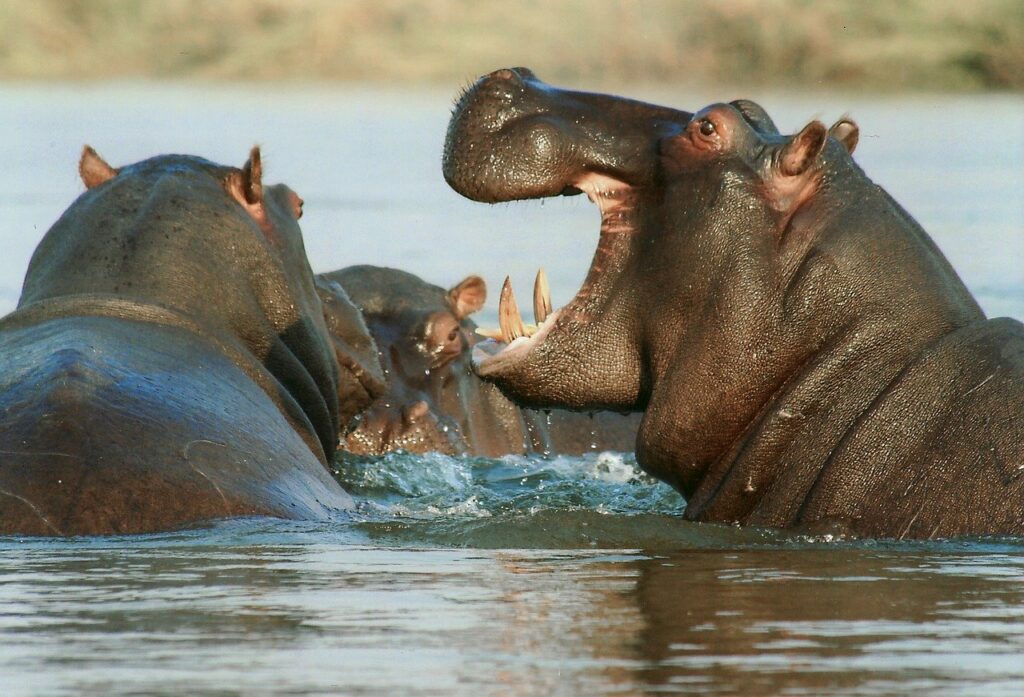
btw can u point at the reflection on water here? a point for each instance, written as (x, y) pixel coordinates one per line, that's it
(270, 607)
(521, 575)
(520, 593)
(847, 620)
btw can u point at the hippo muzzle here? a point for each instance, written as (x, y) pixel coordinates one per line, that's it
(512, 136)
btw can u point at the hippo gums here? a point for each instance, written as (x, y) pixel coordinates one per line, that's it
(805, 356)
(433, 402)
(168, 362)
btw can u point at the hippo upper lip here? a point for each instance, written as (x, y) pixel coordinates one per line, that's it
(513, 137)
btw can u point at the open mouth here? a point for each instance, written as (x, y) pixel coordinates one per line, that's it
(513, 340)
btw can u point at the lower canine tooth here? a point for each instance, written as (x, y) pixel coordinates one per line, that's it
(541, 297)
(509, 320)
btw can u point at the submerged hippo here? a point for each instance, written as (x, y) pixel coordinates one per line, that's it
(433, 401)
(805, 355)
(168, 362)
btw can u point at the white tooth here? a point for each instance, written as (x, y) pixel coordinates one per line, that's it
(541, 297)
(509, 320)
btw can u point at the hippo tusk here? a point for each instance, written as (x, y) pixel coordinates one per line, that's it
(510, 322)
(541, 297)
(509, 319)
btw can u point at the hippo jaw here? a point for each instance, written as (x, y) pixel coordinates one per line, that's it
(614, 200)
(544, 366)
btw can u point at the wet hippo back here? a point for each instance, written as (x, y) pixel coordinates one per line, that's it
(168, 362)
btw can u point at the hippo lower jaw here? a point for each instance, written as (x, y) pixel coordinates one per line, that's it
(616, 202)
(490, 356)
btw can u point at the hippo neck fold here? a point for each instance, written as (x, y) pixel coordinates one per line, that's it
(765, 476)
(105, 305)
(830, 361)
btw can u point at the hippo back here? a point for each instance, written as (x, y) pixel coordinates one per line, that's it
(168, 362)
(166, 232)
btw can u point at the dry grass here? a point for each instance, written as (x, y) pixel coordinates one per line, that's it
(876, 44)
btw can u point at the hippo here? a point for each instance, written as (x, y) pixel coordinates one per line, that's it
(434, 402)
(361, 380)
(168, 362)
(805, 356)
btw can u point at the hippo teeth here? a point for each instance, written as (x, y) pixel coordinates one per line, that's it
(541, 297)
(509, 320)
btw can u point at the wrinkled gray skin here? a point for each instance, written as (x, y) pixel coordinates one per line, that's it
(805, 355)
(360, 376)
(433, 401)
(168, 362)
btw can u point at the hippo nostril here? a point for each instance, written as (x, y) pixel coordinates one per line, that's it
(514, 75)
(524, 73)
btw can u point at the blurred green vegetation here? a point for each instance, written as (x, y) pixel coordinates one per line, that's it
(846, 44)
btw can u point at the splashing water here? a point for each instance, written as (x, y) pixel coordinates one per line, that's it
(598, 499)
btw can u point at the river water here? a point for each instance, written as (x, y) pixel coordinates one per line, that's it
(518, 575)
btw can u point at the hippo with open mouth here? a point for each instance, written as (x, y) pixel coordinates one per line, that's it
(168, 362)
(432, 401)
(805, 356)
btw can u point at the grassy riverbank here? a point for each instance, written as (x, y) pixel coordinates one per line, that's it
(844, 44)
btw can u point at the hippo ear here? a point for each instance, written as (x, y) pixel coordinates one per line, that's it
(246, 187)
(846, 132)
(93, 169)
(252, 177)
(802, 149)
(755, 114)
(468, 296)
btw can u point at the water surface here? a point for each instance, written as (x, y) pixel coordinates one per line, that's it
(522, 575)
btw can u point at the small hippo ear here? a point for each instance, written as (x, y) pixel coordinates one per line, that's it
(846, 132)
(252, 177)
(468, 296)
(93, 169)
(802, 149)
(755, 114)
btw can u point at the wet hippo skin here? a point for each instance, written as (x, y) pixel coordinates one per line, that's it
(805, 356)
(168, 362)
(433, 401)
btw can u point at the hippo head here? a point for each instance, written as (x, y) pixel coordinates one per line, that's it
(514, 137)
(213, 246)
(423, 334)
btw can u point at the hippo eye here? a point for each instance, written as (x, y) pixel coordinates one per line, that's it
(706, 127)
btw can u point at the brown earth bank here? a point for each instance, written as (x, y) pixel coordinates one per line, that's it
(849, 44)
